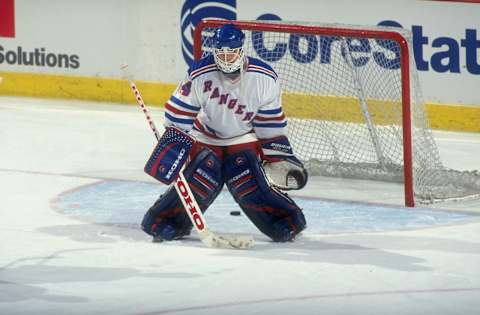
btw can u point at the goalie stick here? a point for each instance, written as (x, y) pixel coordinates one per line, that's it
(187, 198)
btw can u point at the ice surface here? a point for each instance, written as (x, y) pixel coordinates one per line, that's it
(73, 192)
(122, 203)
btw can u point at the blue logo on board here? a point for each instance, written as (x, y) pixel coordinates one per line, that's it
(193, 11)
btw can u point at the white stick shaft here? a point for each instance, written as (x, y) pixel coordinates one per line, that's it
(181, 184)
(144, 108)
(190, 204)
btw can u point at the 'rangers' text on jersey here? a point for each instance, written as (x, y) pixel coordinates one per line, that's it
(219, 110)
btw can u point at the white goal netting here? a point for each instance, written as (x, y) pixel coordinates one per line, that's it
(343, 94)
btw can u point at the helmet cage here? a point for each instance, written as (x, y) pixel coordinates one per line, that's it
(220, 56)
(228, 48)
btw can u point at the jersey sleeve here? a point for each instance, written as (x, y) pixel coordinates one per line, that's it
(270, 121)
(182, 107)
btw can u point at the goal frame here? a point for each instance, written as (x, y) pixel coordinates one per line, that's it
(358, 33)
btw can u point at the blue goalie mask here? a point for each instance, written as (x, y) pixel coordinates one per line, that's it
(228, 48)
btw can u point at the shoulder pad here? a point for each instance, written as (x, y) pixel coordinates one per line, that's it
(257, 65)
(199, 67)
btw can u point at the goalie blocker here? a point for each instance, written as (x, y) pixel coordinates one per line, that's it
(169, 155)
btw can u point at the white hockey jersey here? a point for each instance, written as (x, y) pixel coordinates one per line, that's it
(219, 111)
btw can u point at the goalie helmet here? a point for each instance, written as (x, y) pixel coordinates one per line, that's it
(228, 48)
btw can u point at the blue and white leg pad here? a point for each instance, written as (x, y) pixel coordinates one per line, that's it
(167, 219)
(273, 212)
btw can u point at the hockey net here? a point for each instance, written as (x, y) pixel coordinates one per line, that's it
(354, 104)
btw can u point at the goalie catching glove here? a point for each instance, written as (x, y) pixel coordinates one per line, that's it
(169, 155)
(283, 169)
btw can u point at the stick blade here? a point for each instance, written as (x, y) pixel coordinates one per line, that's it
(229, 241)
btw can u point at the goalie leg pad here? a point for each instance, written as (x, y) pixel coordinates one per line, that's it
(273, 212)
(167, 219)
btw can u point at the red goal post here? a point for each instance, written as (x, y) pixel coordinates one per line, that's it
(365, 70)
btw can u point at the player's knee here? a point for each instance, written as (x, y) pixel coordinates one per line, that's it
(204, 175)
(273, 212)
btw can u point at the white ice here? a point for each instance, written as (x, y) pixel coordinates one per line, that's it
(56, 156)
